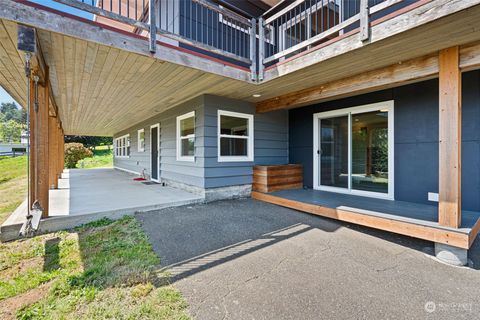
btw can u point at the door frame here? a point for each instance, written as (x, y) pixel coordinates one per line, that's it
(157, 125)
(384, 105)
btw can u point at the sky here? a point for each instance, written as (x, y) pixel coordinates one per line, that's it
(60, 7)
(5, 97)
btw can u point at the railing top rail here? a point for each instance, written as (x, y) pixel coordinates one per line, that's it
(341, 25)
(281, 12)
(224, 11)
(105, 13)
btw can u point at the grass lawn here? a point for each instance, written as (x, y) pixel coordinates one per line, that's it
(102, 158)
(106, 269)
(13, 184)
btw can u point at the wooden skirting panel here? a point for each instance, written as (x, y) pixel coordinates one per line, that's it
(440, 235)
(277, 177)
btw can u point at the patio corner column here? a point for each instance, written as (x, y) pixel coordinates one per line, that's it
(42, 146)
(450, 153)
(53, 150)
(61, 154)
(33, 149)
(450, 138)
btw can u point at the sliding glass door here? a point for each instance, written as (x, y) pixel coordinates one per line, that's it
(333, 152)
(353, 150)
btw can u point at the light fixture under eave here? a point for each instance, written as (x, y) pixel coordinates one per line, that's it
(256, 95)
(383, 110)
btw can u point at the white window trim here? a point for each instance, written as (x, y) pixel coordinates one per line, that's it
(179, 137)
(157, 125)
(250, 147)
(140, 142)
(387, 105)
(127, 144)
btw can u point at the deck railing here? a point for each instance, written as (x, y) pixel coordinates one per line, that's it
(198, 24)
(204, 26)
(305, 23)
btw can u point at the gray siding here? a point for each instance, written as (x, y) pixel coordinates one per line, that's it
(191, 173)
(270, 144)
(416, 138)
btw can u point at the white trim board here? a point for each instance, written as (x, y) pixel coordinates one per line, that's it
(385, 105)
(250, 138)
(178, 137)
(126, 170)
(157, 125)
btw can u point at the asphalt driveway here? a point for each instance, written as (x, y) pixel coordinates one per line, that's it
(245, 259)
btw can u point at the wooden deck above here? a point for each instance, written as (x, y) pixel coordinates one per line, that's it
(406, 218)
(103, 80)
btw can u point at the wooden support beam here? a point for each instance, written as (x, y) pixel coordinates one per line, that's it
(42, 152)
(53, 150)
(58, 168)
(450, 136)
(410, 71)
(61, 153)
(32, 148)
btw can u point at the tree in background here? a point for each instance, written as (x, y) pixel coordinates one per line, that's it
(10, 131)
(90, 142)
(10, 111)
(12, 121)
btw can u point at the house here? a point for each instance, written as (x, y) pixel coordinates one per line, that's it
(378, 101)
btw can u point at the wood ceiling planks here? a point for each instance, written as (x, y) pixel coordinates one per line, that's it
(12, 75)
(101, 90)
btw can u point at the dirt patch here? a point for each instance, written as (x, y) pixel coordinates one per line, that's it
(9, 307)
(21, 267)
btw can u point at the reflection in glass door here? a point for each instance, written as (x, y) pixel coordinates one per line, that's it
(354, 150)
(334, 152)
(370, 151)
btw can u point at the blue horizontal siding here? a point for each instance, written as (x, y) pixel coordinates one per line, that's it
(270, 144)
(416, 138)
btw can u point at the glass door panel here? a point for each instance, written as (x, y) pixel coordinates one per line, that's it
(370, 151)
(334, 152)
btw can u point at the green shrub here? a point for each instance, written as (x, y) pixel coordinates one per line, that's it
(75, 152)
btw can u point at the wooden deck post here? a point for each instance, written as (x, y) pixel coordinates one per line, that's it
(32, 148)
(42, 154)
(53, 150)
(59, 168)
(61, 153)
(450, 136)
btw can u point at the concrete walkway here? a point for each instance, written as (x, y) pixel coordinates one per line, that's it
(85, 195)
(244, 259)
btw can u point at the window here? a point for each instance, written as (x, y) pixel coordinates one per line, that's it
(235, 136)
(141, 140)
(353, 150)
(186, 137)
(122, 146)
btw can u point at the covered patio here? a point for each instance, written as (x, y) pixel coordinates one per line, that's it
(85, 195)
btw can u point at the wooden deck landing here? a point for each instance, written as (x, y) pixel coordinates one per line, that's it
(406, 218)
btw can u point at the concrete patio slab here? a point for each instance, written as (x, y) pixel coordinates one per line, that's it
(86, 195)
(245, 259)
